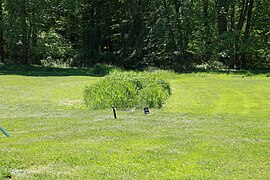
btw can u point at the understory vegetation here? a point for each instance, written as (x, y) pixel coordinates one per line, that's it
(215, 125)
(127, 90)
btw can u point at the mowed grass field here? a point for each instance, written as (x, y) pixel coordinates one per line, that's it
(214, 126)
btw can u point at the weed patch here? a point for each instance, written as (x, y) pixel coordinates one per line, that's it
(128, 90)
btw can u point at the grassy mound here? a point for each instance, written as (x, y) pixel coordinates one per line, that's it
(128, 90)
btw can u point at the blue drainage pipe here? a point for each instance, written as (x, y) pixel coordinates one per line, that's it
(5, 132)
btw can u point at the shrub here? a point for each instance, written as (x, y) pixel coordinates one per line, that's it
(248, 74)
(104, 69)
(127, 90)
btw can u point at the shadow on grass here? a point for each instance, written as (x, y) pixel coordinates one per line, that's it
(100, 70)
(97, 71)
(247, 72)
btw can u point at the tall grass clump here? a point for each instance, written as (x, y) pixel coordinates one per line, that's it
(127, 90)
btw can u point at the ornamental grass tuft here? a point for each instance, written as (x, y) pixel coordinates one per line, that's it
(127, 90)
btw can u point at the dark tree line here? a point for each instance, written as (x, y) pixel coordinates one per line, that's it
(135, 33)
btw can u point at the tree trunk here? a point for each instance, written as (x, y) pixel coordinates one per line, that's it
(171, 33)
(242, 17)
(25, 41)
(207, 32)
(232, 44)
(2, 50)
(249, 18)
(243, 59)
(222, 10)
(243, 14)
(34, 30)
(182, 29)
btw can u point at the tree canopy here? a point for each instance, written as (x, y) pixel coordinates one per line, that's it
(136, 33)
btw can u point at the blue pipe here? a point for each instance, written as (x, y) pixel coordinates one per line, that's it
(5, 132)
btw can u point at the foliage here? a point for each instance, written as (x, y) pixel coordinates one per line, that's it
(103, 69)
(54, 50)
(127, 90)
(133, 34)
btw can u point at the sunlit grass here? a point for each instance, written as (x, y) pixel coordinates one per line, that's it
(214, 126)
(220, 94)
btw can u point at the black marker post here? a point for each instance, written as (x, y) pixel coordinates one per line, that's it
(114, 112)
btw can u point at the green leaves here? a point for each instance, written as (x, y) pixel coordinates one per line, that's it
(135, 34)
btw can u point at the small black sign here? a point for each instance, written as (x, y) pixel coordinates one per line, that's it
(146, 110)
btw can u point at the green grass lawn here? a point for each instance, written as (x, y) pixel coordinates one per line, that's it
(214, 126)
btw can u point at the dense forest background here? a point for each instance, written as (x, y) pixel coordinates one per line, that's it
(178, 34)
